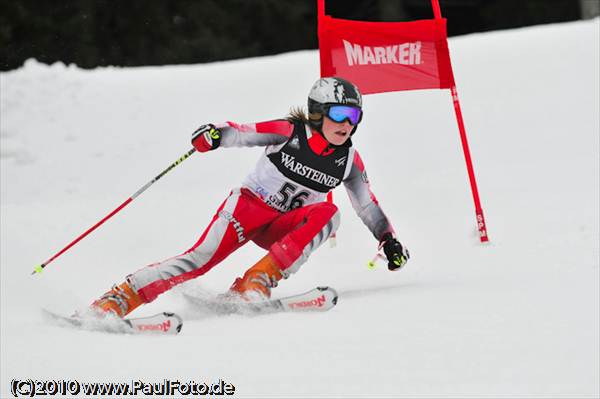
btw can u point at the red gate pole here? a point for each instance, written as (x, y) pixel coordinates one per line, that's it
(483, 235)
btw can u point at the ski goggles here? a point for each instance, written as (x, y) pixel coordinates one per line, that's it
(341, 113)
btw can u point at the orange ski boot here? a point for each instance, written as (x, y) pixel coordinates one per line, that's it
(258, 280)
(120, 300)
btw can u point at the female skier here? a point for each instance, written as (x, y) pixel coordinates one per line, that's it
(281, 204)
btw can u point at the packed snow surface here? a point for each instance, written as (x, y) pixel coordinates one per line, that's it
(516, 318)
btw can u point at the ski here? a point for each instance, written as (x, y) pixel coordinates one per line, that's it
(161, 323)
(319, 299)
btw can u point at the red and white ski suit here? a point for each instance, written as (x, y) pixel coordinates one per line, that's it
(280, 206)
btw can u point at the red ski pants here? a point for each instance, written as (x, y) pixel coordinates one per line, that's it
(289, 237)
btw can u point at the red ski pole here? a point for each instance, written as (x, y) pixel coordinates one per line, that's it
(39, 268)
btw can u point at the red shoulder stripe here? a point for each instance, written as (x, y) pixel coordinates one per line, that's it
(281, 127)
(359, 162)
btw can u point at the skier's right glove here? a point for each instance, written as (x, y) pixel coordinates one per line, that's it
(396, 254)
(206, 138)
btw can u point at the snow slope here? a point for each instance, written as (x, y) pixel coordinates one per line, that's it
(518, 317)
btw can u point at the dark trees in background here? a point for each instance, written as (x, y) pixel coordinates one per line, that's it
(93, 33)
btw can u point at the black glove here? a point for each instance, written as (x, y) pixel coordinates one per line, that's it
(206, 138)
(396, 254)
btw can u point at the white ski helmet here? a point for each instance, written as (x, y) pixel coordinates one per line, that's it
(331, 91)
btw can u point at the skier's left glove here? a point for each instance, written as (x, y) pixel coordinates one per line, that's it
(206, 138)
(396, 254)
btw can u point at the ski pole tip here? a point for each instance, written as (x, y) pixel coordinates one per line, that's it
(38, 269)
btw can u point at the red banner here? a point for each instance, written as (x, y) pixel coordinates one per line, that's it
(386, 56)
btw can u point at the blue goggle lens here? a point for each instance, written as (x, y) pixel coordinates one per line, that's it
(340, 113)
